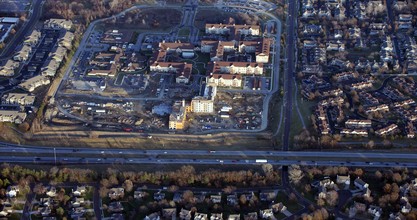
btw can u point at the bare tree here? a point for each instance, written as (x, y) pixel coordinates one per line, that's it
(295, 174)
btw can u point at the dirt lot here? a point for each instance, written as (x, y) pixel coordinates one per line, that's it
(219, 16)
(232, 141)
(244, 113)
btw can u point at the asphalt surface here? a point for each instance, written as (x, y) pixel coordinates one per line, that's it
(34, 16)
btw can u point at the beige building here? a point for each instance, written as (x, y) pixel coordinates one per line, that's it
(225, 80)
(260, 48)
(50, 67)
(23, 53)
(33, 38)
(9, 68)
(217, 48)
(233, 30)
(34, 82)
(12, 116)
(66, 40)
(18, 99)
(202, 105)
(245, 68)
(182, 70)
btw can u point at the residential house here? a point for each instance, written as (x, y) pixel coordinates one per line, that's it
(51, 191)
(139, 194)
(153, 216)
(169, 213)
(79, 191)
(216, 198)
(158, 196)
(12, 191)
(115, 206)
(18, 99)
(116, 193)
(360, 184)
(34, 82)
(177, 197)
(250, 216)
(267, 195)
(185, 214)
(232, 199)
(234, 217)
(216, 216)
(375, 211)
(278, 207)
(77, 202)
(200, 216)
(343, 179)
(77, 213)
(44, 211)
(266, 213)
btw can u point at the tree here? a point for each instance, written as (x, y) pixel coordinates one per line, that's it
(332, 198)
(128, 185)
(396, 177)
(188, 196)
(242, 199)
(358, 172)
(60, 211)
(378, 175)
(370, 144)
(295, 174)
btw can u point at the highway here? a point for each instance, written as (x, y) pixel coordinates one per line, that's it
(31, 154)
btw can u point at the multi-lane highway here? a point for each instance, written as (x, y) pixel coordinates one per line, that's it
(34, 154)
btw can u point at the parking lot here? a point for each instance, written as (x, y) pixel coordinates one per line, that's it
(13, 5)
(40, 54)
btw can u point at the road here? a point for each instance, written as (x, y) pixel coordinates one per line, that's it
(35, 13)
(28, 154)
(288, 87)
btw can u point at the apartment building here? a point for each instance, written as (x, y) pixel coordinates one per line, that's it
(22, 99)
(54, 23)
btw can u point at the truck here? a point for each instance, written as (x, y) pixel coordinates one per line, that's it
(261, 161)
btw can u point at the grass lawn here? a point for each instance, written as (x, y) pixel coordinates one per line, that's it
(184, 32)
(292, 206)
(305, 108)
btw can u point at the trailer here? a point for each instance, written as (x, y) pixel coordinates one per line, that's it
(261, 161)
